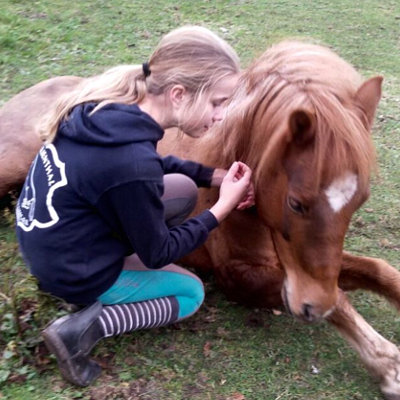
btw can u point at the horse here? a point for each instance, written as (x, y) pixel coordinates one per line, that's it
(301, 118)
(19, 132)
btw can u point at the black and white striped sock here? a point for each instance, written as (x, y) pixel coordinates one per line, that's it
(120, 318)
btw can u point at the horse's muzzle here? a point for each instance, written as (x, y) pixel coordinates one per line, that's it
(307, 312)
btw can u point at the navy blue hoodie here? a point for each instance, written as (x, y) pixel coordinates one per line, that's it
(93, 197)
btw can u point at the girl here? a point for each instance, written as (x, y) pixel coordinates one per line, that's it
(102, 216)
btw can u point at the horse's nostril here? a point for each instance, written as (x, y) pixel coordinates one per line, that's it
(308, 312)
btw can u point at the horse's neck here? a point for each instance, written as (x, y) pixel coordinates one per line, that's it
(207, 150)
(210, 152)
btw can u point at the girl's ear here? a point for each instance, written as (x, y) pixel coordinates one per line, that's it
(177, 95)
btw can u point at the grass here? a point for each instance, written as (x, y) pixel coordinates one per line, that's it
(225, 351)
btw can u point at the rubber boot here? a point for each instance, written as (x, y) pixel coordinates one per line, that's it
(70, 339)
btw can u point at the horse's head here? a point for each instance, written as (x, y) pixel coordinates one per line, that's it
(301, 119)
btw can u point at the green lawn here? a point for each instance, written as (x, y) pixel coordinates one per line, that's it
(225, 351)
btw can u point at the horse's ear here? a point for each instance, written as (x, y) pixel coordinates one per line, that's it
(302, 127)
(368, 95)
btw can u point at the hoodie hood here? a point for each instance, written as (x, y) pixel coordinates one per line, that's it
(114, 124)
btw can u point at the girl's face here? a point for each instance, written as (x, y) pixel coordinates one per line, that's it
(196, 119)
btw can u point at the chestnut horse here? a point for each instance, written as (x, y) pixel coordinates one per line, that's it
(19, 133)
(301, 118)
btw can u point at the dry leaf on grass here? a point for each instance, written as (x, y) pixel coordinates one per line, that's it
(236, 396)
(207, 349)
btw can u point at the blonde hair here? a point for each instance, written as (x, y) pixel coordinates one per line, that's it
(191, 56)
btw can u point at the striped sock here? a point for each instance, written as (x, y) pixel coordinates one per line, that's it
(120, 318)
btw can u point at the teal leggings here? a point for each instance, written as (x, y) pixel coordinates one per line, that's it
(139, 283)
(146, 284)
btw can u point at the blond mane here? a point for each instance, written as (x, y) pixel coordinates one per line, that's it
(298, 76)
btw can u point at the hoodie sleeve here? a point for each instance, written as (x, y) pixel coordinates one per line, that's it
(136, 213)
(201, 174)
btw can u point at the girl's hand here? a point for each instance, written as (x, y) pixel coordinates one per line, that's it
(235, 191)
(248, 200)
(235, 184)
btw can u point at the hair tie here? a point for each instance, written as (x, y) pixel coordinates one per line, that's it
(146, 69)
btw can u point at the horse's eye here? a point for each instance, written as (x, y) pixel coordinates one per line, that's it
(296, 206)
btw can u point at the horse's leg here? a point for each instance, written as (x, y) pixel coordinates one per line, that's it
(372, 274)
(254, 285)
(255, 282)
(381, 357)
(245, 264)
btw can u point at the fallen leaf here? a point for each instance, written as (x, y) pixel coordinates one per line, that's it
(207, 349)
(17, 378)
(105, 361)
(236, 396)
(222, 332)
(385, 243)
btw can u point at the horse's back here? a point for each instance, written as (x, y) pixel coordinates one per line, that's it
(19, 132)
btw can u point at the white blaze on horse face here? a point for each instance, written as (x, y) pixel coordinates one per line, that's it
(341, 191)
